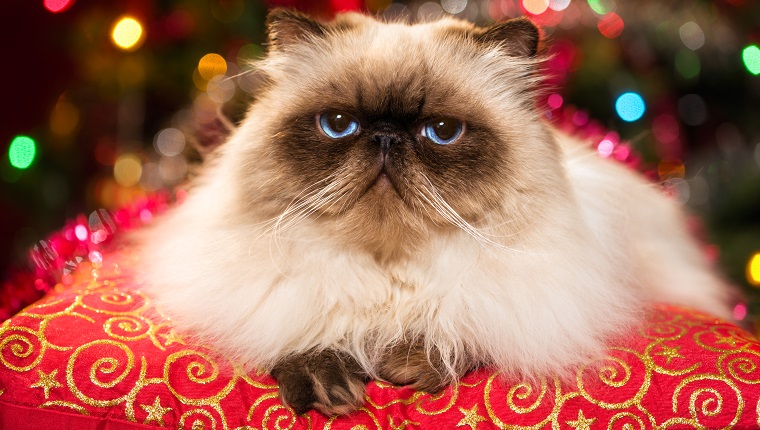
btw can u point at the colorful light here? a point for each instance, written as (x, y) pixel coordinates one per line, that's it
(555, 101)
(559, 5)
(64, 119)
(57, 6)
(751, 58)
(127, 170)
(610, 25)
(692, 35)
(536, 7)
(453, 6)
(687, 63)
(127, 33)
(630, 106)
(601, 7)
(740, 311)
(753, 270)
(211, 65)
(22, 151)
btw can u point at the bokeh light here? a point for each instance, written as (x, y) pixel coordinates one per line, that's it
(687, 63)
(211, 65)
(665, 128)
(605, 148)
(429, 11)
(536, 7)
(64, 118)
(127, 33)
(169, 142)
(610, 25)
(57, 6)
(753, 270)
(692, 35)
(127, 170)
(220, 89)
(751, 58)
(453, 6)
(601, 7)
(671, 168)
(740, 311)
(22, 151)
(630, 106)
(555, 101)
(692, 109)
(559, 5)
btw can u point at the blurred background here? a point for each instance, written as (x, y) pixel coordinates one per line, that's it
(97, 96)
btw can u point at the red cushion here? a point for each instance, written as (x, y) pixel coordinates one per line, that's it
(96, 354)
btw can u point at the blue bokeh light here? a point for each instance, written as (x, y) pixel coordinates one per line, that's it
(630, 106)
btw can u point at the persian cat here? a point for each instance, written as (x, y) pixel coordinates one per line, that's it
(393, 206)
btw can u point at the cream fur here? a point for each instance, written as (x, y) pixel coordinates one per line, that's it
(576, 259)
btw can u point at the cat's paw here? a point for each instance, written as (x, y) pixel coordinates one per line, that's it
(329, 381)
(410, 364)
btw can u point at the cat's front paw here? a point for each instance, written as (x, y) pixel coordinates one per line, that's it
(328, 380)
(409, 363)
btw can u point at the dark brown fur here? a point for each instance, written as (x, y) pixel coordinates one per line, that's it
(327, 380)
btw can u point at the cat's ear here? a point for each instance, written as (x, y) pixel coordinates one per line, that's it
(286, 27)
(519, 37)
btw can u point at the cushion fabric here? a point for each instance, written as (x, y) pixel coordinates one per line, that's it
(97, 354)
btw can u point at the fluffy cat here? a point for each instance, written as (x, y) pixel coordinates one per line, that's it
(393, 206)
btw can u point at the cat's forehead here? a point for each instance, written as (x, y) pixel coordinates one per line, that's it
(381, 68)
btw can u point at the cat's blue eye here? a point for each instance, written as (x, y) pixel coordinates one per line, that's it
(338, 124)
(443, 131)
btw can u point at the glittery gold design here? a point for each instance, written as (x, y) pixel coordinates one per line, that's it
(582, 423)
(471, 417)
(704, 372)
(69, 405)
(155, 412)
(400, 426)
(171, 338)
(47, 381)
(669, 353)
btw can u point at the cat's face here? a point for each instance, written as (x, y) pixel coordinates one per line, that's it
(389, 129)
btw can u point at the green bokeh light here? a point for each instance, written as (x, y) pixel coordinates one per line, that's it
(751, 58)
(22, 151)
(598, 6)
(687, 63)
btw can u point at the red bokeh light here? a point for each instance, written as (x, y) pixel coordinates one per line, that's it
(611, 25)
(57, 6)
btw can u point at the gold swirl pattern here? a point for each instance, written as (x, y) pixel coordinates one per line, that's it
(126, 328)
(100, 348)
(616, 384)
(21, 349)
(706, 400)
(103, 372)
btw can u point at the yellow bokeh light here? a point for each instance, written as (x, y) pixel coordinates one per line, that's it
(536, 7)
(753, 270)
(212, 65)
(127, 33)
(127, 170)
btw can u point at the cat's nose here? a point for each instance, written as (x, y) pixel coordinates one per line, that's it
(385, 141)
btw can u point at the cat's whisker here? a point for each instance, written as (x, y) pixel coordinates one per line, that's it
(309, 202)
(432, 197)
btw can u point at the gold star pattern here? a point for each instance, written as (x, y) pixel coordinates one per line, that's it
(172, 338)
(47, 381)
(669, 353)
(471, 417)
(401, 426)
(582, 423)
(155, 412)
(729, 340)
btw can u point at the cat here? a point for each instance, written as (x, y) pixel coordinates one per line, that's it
(394, 206)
